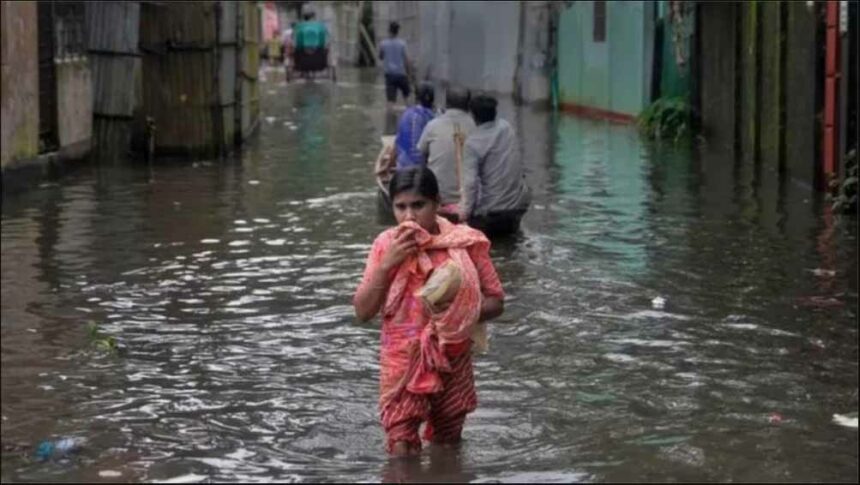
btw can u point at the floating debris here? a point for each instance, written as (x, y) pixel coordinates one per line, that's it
(658, 302)
(847, 420)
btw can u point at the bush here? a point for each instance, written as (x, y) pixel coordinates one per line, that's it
(666, 118)
(844, 193)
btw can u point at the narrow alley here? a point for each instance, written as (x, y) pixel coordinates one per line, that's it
(227, 285)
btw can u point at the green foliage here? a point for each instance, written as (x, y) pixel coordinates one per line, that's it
(844, 193)
(100, 342)
(666, 119)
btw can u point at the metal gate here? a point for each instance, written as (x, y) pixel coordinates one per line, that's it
(48, 135)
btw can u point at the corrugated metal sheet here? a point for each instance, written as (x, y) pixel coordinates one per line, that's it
(227, 86)
(112, 26)
(250, 65)
(190, 76)
(112, 37)
(185, 25)
(178, 95)
(177, 84)
(227, 34)
(113, 78)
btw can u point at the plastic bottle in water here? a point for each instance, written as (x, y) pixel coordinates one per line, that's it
(57, 448)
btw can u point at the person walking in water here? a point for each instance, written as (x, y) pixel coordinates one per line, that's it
(412, 124)
(426, 350)
(438, 146)
(395, 64)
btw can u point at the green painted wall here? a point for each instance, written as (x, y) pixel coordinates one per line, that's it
(612, 75)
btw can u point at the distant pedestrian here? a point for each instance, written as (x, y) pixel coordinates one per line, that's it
(438, 146)
(411, 126)
(495, 194)
(395, 64)
(289, 43)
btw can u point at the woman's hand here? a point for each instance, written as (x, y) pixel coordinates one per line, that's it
(402, 246)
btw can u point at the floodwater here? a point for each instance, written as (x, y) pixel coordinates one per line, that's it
(228, 285)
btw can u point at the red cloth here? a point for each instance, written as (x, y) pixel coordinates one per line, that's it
(424, 357)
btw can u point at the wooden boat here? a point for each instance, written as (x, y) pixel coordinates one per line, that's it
(386, 163)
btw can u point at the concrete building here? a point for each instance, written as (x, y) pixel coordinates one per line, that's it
(46, 86)
(501, 47)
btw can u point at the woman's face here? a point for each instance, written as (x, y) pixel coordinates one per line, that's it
(409, 206)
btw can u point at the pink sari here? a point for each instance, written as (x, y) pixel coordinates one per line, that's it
(422, 355)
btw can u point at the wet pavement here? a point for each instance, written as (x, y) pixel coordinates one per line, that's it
(228, 285)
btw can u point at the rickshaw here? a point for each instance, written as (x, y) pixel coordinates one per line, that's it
(307, 63)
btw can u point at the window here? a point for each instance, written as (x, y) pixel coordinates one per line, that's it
(599, 21)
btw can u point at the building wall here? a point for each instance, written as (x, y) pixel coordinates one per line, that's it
(612, 75)
(719, 36)
(20, 83)
(460, 43)
(74, 105)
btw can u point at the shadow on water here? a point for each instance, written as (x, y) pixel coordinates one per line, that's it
(230, 283)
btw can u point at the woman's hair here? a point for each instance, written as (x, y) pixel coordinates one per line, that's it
(419, 180)
(483, 108)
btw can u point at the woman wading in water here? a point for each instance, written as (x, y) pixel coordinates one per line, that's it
(426, 348)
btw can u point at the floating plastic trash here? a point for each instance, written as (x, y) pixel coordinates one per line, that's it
(57, 448)
(846, 420)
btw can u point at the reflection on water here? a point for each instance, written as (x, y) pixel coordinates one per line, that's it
(230, 285)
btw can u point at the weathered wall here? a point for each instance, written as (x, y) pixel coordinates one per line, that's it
(74, 105)
(750, 53)
(460, 44)
(20, 82)
(112, 29)
(535, 52)
(249, 65)
(718, 65)
(771, 86)
(800, 78)
(342, 21)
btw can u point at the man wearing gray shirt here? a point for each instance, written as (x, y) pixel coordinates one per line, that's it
(438, 147)
(495, 194)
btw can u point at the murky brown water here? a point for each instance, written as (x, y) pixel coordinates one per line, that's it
(230, 284)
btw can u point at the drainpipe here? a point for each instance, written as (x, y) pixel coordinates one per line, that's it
(831, 80)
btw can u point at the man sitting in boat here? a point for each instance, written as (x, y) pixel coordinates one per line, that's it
(495, 194)
(411, 125)
(438, 147)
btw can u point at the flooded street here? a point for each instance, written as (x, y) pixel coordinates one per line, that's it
(229, 285)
